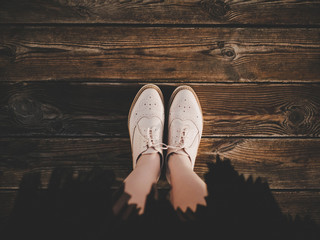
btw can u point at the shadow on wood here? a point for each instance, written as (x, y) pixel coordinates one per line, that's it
(78, 205)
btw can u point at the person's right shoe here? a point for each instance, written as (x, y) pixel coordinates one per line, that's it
(146, 122)
(185, 124)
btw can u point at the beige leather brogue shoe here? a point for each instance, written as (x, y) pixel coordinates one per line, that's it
(185, 124)
(146, 122)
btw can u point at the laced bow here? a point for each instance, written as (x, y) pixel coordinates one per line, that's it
(154, 144)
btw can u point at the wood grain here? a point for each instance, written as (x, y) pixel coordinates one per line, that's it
(101, 109)
(159, 54)
(283, 163)
(161, 12)
(301, 203)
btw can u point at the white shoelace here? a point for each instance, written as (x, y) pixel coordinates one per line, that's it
(153, 144)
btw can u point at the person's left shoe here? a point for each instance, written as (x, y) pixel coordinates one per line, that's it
(185, 124)
(146, 123)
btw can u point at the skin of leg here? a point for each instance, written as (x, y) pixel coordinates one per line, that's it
(139, 181)
(188, 189)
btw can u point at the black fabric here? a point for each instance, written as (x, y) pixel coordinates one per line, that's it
(86, 207)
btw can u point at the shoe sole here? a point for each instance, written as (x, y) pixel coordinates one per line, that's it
(178, 89)
(138, 95)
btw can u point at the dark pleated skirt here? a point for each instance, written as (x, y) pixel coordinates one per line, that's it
(87, 207)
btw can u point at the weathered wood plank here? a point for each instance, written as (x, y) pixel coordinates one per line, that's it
(284, 163)
(101, 109)
(161, 12)
(159, 54)
(302, 203)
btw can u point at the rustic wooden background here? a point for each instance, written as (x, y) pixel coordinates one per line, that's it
(69, 70)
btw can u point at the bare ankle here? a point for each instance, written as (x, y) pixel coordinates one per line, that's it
(178, 160)
(150, 159)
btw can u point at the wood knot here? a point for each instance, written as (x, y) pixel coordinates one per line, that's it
(296, 115)
(301, 117)
(25, 110)
(228, 52)
(7, 54)
(216, 8)
(82, 10)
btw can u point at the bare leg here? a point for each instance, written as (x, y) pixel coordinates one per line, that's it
(188, 189)
(139, 181)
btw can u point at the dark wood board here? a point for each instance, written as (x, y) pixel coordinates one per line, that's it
(302, 203)
(101, 109)
(159, 54)
(161, 12)
(283, 163)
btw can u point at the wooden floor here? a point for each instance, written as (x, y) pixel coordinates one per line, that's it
(69, 71)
